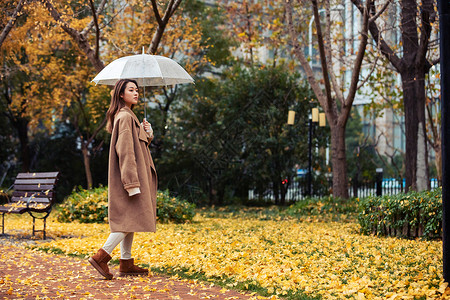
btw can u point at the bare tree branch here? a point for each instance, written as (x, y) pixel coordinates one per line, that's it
(77, 36)
(372, 69)
(323, 59)
(97, 30)
(156, 12)
(426, 16)
(359, 58)
(328, 43)
(337, 88)
(11, 21)
(298, 52)
(162, 22)
(386, 50)
(380, 12)
(92, 22)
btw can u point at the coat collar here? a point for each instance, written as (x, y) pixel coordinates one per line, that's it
(128, 110)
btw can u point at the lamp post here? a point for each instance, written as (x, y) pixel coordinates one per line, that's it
(444, 19)
(314, 117)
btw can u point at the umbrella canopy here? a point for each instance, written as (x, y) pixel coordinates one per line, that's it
(146, 69)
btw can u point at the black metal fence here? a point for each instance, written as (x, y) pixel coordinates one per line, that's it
(299, 190)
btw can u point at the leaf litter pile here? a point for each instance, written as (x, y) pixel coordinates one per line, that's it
(280, 257)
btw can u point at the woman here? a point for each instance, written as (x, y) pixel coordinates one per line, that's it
(132, 181)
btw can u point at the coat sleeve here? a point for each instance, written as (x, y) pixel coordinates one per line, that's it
(125, 152)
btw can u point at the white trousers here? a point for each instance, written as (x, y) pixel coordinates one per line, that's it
(126, 241)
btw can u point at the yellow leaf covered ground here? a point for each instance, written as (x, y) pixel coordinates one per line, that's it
(325, 259)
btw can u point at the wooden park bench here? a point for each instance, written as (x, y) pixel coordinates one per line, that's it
(32, 193)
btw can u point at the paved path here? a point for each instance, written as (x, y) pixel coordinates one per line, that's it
(28, 274)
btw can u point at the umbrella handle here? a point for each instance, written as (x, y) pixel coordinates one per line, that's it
(145, 105)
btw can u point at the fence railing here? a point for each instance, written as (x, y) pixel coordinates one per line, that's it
(299, 190)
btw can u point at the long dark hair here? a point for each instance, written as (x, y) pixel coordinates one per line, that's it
(117, 101)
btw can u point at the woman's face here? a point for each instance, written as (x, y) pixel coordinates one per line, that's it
(130, 94)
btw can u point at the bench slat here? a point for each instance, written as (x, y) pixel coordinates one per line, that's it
(37, 175)
(14, 210)
(29, 193)
(36, 181)
(46, 194)
(21, 208)
(33, 187)
(35, 199)
(39, 186)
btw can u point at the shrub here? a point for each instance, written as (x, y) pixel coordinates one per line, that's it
(91, 206)
(326, 208)
(85, 206)
(415, 214)
(172, 209)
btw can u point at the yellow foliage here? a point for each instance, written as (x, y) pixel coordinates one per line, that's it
(50, 73)
(327, 259)
(38, 48)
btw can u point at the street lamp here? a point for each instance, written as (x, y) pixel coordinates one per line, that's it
(314, 117)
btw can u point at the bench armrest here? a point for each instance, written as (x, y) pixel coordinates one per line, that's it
(29, 201)
(6, 192)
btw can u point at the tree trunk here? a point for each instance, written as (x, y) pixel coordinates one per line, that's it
(411, 130)
(276, 192)
(422, 174)
(422, 178)
(338, 161)
(157, 38)
(87, 165)
(438, 160)
(413, 68)
(414, 105)
(415, 25)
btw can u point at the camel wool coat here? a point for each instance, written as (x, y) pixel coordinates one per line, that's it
(131, 166)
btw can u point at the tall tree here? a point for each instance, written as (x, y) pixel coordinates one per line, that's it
(336, 98)
(416, 24)
(85, 24)
(32, 76)
(88, 37)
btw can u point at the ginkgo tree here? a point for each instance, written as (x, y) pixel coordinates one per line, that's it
(334, 95)
(412, 57)
(34, 63)
(82, 25)
(183, 41)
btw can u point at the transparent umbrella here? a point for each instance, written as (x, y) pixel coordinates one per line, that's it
(146, 69)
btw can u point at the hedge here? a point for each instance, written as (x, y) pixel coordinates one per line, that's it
(415, 214)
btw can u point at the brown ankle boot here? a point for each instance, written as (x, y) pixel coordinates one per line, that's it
(127, 268)
(100, 262)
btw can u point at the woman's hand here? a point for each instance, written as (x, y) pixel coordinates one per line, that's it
(147, 127)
